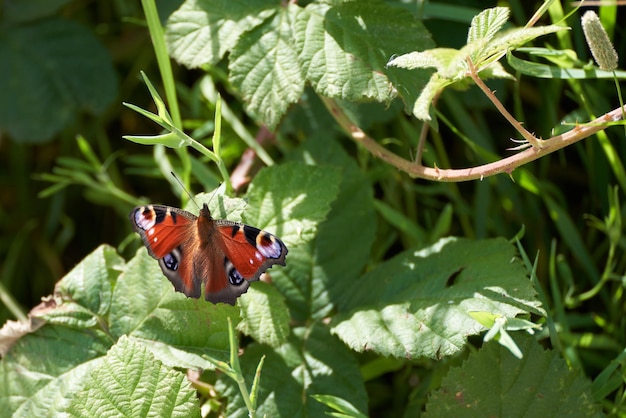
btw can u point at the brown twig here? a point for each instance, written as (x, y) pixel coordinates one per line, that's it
(505, 165)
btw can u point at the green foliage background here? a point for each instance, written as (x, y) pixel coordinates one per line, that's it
(379, 305)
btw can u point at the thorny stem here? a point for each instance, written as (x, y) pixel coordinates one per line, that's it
(505, 165)
(532, 140)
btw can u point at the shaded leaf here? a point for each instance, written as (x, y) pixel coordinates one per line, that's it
(295, 208)
(418, 303)
(312, 271)
(492, 382)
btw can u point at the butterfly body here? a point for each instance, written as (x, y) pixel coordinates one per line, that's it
(194, 250)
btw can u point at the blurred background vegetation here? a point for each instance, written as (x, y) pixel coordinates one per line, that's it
(67, 66)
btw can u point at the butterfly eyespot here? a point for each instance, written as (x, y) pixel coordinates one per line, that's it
(171, 260)
(234, 277)
(144, 219)
(269, 247)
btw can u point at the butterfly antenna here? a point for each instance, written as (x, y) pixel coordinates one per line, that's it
(182, 186)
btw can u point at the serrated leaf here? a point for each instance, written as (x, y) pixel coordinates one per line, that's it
(343, 242)
(44, 367)
(486, 45)
(131, 382)
(264, 67)
(483, 56)
(418, 304)
(54, 398)
(311, 362)
(290, 200)
(202, 31)
(486, 24)
(57, 69)
(265, 315)
(492, 382)
(438, 58)
(220, 205)
(343, 48)
(83, 296)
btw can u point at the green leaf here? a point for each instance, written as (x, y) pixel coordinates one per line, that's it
(294, 212)
(485, 47)
(45, 366)
(290, 200)
(311, 362)
(486, 24)
(131, 382)
(57, 69)
(343, 242)
(340, 48)
(484, 55)
(418, 304)
(265, 315)
(43, 396)
(540, 70)
(264, 67)
(346, 409)
(492, 382)
(344, 47)
(202, 31)
(84, 294)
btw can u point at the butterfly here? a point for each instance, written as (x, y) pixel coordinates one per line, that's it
(193, 250)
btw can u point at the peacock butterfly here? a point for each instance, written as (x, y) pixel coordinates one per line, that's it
(194, 250)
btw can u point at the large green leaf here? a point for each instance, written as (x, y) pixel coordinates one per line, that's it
(47, 365)
(290, 200)
(494, 383)
(264, 67)
(202, 31)
(131, 382)
(341, 247)
(52, 69)
(295, 211)
(418, 304)
(344, 47)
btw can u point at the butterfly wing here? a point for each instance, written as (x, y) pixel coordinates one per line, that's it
(250, 250)
(191, 250)
(169, 235)
(241, 253)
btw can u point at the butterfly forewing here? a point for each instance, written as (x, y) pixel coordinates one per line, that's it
(251, 250)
